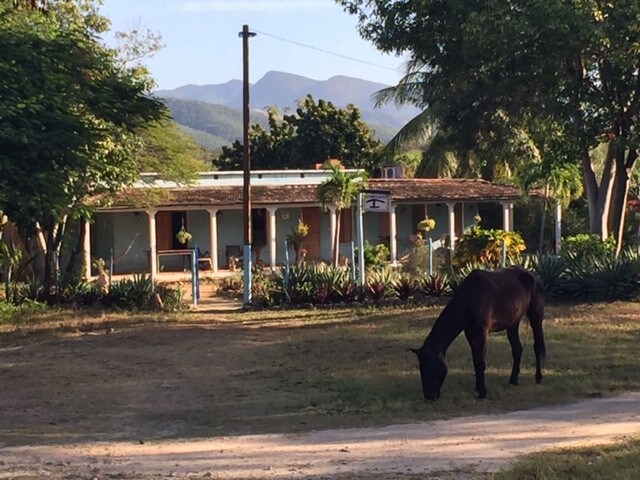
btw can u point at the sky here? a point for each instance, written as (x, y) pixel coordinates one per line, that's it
(201, 43)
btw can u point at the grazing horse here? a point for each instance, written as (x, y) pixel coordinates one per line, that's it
(484, 302)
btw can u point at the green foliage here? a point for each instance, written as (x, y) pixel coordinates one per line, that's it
(435, 285)
(339, 190)
(80, 293)
(603, 277)
(375, 256)
(170, 152)
(506, 81)
(316, 133)
(552, 270)
(295, 239)
(587, 245)
(70, 111)
(485, 246)
(223, 123)
(379, 283)
(12, 313)
(405, 286)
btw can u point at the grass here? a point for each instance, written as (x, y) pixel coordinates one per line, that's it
(613, 462)
(92, 375)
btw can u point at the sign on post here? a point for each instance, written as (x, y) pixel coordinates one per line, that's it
(376, 200)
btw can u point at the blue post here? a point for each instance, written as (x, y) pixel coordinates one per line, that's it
(197, 267)
(504, 252)
(194, 276)
(430, 256)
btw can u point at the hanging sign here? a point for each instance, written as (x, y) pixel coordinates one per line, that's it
(376, 200)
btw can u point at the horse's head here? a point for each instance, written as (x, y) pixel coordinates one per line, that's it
(433, 371)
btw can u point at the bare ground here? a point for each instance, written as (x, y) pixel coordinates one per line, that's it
(470, 444)
(142, 402)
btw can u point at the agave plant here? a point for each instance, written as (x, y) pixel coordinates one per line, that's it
(435, 285)
(404, 286)
(603, 277)
(552, 270)
(379, 282)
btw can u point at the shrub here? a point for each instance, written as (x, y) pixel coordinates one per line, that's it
(603, 277)
(485, 246)
(375, 256)
(587, 245)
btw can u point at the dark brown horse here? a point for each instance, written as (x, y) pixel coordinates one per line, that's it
(484, 302)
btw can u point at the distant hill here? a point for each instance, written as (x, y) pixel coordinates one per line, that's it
(216, 109)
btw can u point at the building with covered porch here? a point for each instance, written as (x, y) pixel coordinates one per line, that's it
(143, 235)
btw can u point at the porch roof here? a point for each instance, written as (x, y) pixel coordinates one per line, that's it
(406, 190)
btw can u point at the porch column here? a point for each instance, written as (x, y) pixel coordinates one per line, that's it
(153, 246)
(452, 224)
(86, 249)
(393, 242)
(272, 236)
(213, 238)
(506, 216)
(558, 227)
(333, 215)
(462, 219)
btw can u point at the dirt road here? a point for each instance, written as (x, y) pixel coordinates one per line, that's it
(480, 443)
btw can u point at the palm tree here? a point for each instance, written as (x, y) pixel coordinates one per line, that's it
(339, 190)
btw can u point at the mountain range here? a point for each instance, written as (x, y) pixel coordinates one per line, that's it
(213, 113)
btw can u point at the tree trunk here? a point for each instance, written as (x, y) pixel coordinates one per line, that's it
(77, 251)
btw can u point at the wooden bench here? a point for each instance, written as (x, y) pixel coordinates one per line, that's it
(184, 252)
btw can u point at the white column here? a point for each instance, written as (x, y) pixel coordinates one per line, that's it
(86, 249)
(153, 245)
(272, 236)
(213, 238)
(333, 215)
(462, 219)
(506, 216)
(452, 224)
(558, 227)
(393, 243)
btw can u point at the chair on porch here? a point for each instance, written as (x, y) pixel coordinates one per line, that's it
(234, 256)
(204, 260)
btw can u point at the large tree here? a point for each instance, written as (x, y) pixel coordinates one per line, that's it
(315, 133)
(70, 114)
(574, 65)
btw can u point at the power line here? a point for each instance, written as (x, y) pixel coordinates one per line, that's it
(311, 47)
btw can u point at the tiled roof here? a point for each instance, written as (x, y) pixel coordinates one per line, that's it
(408, 190)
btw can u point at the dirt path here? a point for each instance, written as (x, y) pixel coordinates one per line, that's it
(480, 443)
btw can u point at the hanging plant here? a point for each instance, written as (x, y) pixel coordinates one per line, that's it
(427, 225)
(183, 236)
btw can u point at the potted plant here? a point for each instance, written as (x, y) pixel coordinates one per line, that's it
(295, 239)
(183, 236)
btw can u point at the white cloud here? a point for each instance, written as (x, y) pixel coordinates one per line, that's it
(252, 5)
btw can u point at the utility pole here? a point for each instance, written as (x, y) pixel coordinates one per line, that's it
(246, 190)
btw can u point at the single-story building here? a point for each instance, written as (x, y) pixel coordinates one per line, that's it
(142, 234)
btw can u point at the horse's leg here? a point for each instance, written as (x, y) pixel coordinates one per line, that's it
(478, 342)
(536, 315)
(516, 352)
